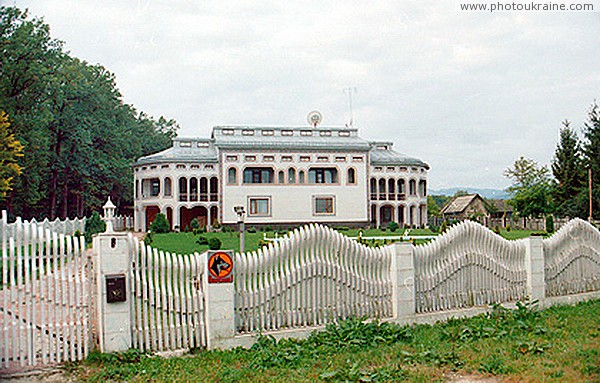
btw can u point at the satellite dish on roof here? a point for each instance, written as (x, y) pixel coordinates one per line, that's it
(314, 118)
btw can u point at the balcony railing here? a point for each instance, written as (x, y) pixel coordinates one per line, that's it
(183, 197)
(214, 196)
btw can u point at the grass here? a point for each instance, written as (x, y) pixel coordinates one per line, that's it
(554, 345)
(185, 243)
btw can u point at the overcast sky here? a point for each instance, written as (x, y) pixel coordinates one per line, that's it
(467, 92)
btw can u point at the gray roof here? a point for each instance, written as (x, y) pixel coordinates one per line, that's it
(317, 140)
(392, 157)
(322, 138)
(183, 154)
(459, 204)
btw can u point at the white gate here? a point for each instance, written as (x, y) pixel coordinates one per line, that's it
(44, 301)
(167, 299)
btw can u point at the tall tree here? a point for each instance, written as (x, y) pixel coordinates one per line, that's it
(80, 138)
(591, 152)
(568, 170)
(531, 187)
(10, 150)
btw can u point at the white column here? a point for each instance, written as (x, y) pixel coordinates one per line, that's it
(112, 257)
(208, 219)
(377, 216)
(534, 266)
(403, 281)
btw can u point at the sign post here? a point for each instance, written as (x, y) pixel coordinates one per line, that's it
(219, 298)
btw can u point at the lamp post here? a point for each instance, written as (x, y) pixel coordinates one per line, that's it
(109, 213)
(239, 210)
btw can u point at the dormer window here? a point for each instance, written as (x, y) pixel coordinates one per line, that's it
(344, 133)
(227, 132)
(381, 147)
(203, 144)
(247, 132)
(268, 132)
(287, 132)
(325, 133)
(185, 144)
(306, 132)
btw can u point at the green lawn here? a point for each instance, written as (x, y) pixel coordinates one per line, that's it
(560, 344)
(185, 243)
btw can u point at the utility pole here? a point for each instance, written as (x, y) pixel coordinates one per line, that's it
(590, 190)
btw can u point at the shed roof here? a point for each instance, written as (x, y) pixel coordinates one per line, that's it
(199, 150)
(459, 204)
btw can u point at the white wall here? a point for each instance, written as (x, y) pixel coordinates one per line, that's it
(294, 202)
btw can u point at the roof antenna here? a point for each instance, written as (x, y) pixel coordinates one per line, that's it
(350, 90)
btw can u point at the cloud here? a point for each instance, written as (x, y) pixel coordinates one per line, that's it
(468, 92)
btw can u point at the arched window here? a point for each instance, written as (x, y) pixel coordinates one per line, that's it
(351, 179)
(382, 188)
(291, 176)
(412, 187)
(373, 183)
(214, 189)
(203, 189)
(401, 188)
(183, 196)
(193, 189)
(423, 188)
(281, 177)
(391, 189)
(168, 187)
(232, 176)
(301, 177)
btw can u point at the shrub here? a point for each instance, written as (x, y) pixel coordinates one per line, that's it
(94, 225)
(160, 224)
(200, 230)
(443, 227)
(148, 238)
(214, 243)
(393, 226)
(251, 229)
(497, 230)
(507, 227)
(194, 224)
(202, 240)
(549, 223)
(77, 233)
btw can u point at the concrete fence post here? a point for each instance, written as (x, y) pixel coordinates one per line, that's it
(112, 265)
(219, 298)
(403, 280)
(534, 266)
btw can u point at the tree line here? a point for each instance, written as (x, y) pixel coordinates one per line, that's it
(73, 137)
(563, 189)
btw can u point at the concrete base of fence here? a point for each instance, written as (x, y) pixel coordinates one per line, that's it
(247, 340)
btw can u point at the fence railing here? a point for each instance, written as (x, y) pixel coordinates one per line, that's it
(45, 296)
(468, 266)
(309, 278)
(65, 227)
(572, 259)
(167, 299)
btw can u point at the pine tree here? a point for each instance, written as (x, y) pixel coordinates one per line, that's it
(568, 170)
(591, 152)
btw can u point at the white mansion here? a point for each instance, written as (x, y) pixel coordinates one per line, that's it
(283, 176)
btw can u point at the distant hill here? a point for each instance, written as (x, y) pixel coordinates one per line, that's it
(486, 193)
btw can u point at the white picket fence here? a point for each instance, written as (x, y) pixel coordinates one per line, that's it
(313, 276)
(468, 266)
(65, 227)
(167, 299)
(44, 312)
(572, 259)
(122, 223)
